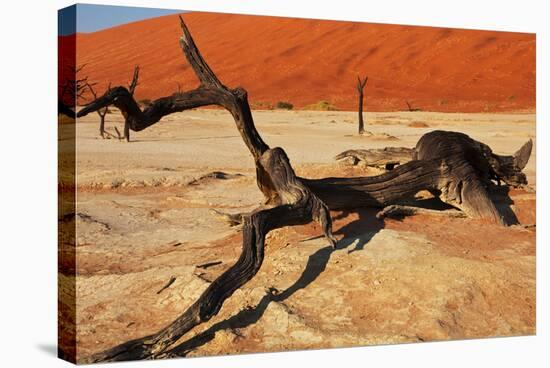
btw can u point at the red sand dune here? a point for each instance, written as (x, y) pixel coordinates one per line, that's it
(305, 61)
(66, 54)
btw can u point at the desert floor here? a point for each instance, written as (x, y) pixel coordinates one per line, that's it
(144, 219)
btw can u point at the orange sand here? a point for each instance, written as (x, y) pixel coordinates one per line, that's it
(305, 61)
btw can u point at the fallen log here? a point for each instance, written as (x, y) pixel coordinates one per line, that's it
(383, 158)
(451, 165)
(439, 144)
(488, 165)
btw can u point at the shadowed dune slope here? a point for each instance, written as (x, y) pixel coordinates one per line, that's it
(305, 61)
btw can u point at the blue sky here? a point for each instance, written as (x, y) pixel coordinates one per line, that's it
(91, 18)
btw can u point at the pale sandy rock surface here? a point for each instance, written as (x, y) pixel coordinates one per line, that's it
(424, 278)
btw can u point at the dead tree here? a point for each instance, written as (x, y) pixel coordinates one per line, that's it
(131, 88)
(472, 168)
(102, 113)
(360, 88)
(290, 200)
(72, 90)
(438, 144)
(488, 165)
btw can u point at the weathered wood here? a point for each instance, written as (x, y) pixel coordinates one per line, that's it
(454, 182)
(298, 206)
(451, 165)
(131, 88)
(220, 175)
(290, 200)
(506, 168)
(204, 266)
(134, 83)
(360, 88)
(381, 190)
(231, 219)
(293, 202)
(396, 210)
(167, 285)
(487, 164)
(384, 158)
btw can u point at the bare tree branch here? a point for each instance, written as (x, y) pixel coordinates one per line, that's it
(134, 83)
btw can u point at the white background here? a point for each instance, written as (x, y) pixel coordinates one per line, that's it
(28, 240)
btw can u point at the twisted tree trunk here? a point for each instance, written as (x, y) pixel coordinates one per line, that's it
(293, 202)
(466, 171)
(290, 200)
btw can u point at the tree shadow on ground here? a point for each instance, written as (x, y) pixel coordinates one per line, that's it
(500, 195)
(357, 233)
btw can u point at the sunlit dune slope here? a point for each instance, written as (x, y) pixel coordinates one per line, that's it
(306, 61)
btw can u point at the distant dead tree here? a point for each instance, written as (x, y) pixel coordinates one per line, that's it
(72, 90)
(102, 113)
(360, 88)
(410, 108)
(451, 166)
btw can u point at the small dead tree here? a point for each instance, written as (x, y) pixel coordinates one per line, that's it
(450, 171)
(102, 113)
(131, 88)
(72, 90)
(360, 88)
